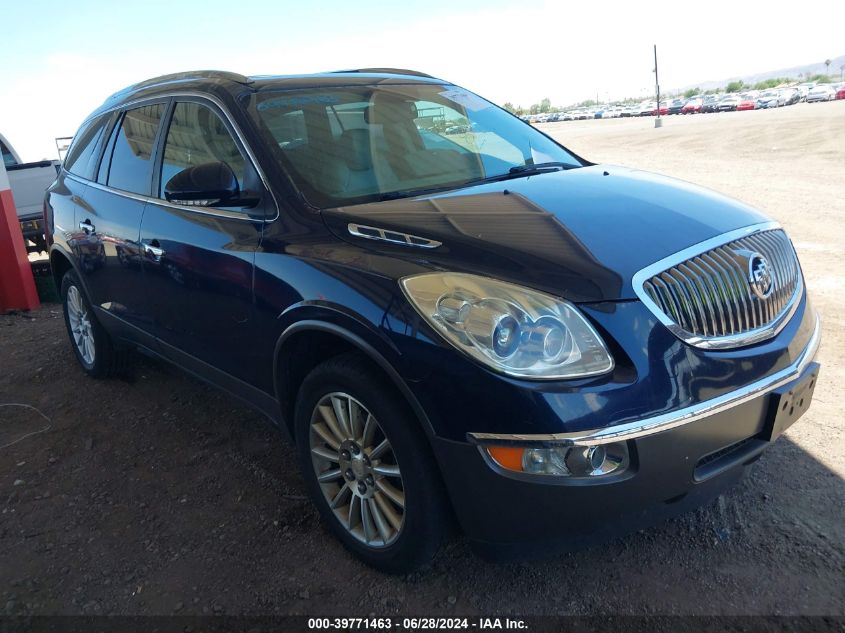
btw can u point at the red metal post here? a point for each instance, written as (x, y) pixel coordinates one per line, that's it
(17, 286)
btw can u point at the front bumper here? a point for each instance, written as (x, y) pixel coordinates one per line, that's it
(678, 461)
(508, 514)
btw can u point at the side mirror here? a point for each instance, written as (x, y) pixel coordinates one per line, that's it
(209, 184)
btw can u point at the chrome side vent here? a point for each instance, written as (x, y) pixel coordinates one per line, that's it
(738, 289)
(392, 237)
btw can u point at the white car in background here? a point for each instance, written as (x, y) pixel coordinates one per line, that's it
(728, 103)
(646, 108)
(28, 182)
(804, 89)
(824, 92)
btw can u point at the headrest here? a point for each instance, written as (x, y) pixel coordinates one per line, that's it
(390, 109)
(355, 146)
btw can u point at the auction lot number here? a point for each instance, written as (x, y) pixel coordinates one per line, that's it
(414, 624)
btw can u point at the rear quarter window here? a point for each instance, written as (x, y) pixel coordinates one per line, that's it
(84, 154)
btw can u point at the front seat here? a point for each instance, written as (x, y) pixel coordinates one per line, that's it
(357, 155)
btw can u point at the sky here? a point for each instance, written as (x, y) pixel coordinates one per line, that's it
(62, 59)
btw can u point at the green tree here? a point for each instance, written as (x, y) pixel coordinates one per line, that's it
(692, 92)
(545, 105)
(509, 107)
(770, 83)
(735, 86)
(534, 109)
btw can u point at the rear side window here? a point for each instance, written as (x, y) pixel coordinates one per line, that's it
(131, 163)
(85, 151)
(196, 136)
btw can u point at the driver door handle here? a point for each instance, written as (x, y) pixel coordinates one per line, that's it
(86, 226)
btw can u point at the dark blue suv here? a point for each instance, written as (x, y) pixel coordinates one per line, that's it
(451, 314)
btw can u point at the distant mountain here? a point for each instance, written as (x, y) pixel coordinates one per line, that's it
(794, 71)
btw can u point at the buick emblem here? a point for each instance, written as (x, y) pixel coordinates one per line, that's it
(760, 276)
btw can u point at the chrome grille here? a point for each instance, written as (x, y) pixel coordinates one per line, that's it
(708, 299)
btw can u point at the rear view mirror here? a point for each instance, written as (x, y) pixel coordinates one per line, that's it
(206, 185)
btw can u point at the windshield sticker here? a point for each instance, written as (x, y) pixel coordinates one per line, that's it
(296, 101)
(467, 99)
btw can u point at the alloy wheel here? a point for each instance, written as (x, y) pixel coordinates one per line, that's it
(357, 470)
(80, 325)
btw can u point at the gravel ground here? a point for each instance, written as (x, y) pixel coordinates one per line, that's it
(157, 495)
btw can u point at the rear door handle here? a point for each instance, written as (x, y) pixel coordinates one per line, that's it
(86, 226)
(154, 249)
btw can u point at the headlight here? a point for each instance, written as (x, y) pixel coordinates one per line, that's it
(511, 329)
(567, 461)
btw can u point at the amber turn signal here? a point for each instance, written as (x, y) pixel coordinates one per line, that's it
(507, 456)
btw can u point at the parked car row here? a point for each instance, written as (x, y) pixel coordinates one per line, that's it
(749, 100)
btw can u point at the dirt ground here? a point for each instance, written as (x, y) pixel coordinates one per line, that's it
(158, 495)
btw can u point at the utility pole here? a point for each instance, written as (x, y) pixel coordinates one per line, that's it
(658, 122)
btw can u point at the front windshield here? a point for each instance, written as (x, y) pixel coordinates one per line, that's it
(358, 144)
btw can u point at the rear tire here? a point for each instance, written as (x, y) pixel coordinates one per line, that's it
(390, 511)
(91, 344)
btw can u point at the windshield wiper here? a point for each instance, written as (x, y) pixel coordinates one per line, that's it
(539, 167)
(411, 193)
(514, 172)
(520, 171)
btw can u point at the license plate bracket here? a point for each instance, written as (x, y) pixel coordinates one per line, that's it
(788, 403)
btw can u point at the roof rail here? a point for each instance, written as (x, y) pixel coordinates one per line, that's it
(386, 71)
(191, 74)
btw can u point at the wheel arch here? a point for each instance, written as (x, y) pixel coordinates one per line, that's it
(60, 263)
(306, 343)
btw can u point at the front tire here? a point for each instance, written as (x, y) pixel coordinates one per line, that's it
(368, 466)
(90, 342)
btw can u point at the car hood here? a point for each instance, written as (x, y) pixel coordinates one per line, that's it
(581, 233)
